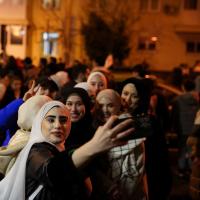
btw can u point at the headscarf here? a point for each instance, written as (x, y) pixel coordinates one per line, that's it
(60, 78)
(12, 187)
(26, 114)
(81, 131)
(112, 95)
(98, 115)
(99, 74)
(143, 93)
(83, 85)
(28, 110)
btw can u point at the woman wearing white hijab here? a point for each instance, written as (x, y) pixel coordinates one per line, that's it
(44, 170)
(85, 86)
(97, 81)
(108, 102)
(26, 113)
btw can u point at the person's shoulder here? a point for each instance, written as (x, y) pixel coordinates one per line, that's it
(43, 146)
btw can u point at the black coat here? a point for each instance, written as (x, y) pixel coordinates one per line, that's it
(56, 172)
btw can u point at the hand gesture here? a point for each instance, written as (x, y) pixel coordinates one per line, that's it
(108, 62)
(34, 90)
(107, 136)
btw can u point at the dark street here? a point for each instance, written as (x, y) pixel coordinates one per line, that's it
(180, 190)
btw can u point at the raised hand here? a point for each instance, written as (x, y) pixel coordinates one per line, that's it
(34, 90)
(108, 62)
(107, 136)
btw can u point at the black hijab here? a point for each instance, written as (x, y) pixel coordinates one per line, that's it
(81, 131)
(143, 91)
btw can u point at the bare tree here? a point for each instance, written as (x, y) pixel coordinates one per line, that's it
(115, 16)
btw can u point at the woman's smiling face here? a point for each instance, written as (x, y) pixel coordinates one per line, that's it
(76, 107)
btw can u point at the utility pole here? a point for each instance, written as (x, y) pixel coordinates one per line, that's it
(3, 38)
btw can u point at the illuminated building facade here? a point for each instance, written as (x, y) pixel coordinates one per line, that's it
(165, 34)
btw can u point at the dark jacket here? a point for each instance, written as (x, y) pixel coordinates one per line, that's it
(56, 172)
(184, 111)
(82, 130)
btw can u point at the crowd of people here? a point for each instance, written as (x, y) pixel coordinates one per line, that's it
(75, 132)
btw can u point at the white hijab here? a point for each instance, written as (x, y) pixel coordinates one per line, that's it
(60, 78)
(83, 85)
(103, 77)
(112, 95)
(28, 110)
(12, 187)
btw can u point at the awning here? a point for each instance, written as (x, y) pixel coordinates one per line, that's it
(14, 22)
(193, 29)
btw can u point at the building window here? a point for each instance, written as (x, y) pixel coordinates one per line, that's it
(145, 43)
(190, 4)
(50, 44)
(16, 35)
(193, 47)
(149, 5)
(50, 4)
(144, 5)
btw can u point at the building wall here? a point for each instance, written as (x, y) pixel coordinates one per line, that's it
(172, 30)
(16, 8)
(13, 16)
(65, 21)
(172, 27)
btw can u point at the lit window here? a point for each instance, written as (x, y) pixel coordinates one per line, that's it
(50, 43)
(16, 34)
(145, 43)
(50, 4)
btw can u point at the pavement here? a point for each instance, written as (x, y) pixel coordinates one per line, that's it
(180, 185)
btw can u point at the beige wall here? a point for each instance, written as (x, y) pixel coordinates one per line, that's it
(171, 44)
(172, 31)
(65, 21)
(14, 13)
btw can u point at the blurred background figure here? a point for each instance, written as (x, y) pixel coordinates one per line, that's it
(97, 81)
(184, 109)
